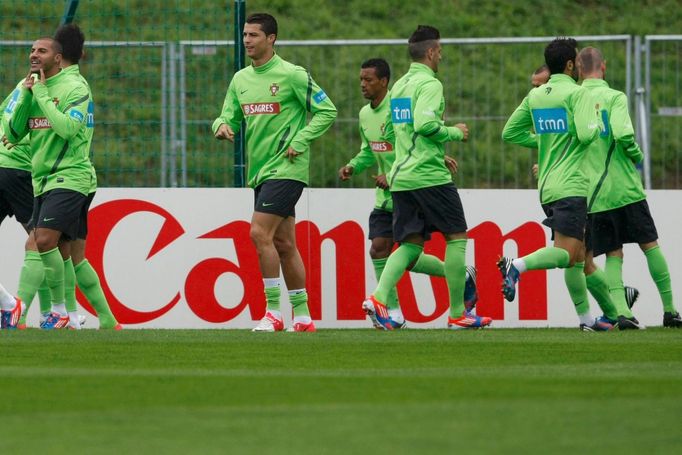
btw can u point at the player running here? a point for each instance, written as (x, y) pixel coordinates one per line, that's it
(565, 122)
(425, 199)
(617, 206)
(377, 147)
(274, 97)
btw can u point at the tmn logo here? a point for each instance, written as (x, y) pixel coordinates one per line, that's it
(550, 120)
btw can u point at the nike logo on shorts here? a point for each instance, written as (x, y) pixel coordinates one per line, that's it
(267, 204)
(47, 220)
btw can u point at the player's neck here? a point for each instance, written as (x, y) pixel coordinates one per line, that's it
(267, 56)
(377, 101)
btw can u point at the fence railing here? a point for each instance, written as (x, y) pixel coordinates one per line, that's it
(153, 117)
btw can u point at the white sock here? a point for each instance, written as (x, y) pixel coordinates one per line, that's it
(396, 316)
(303, 319)
(586, 318)
(272, 282)
(519, 264)
(7, 301)
(73, 320)
(60, 308)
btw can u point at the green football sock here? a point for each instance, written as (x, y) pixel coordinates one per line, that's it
(549, 257)
(614, 277)
(54, 274)
(70, 286)
(272, 295)
(89, 284)
(575, 282)
(299, 303)
(599, 288)
(44, 297)
(392, 300)
(31, 276)
(429, 265)
(396, 265)
(658, 269)
(455, 274)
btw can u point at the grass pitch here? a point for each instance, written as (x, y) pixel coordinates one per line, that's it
(341, 391)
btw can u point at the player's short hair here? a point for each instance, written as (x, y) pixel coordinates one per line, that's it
(267, 22)
(421, 40)
(541, 69)
(381, 67)
(71, 39)
(559, 52)
(590, 59)
(55, 44)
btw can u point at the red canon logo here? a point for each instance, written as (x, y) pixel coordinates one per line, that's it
(348, 237)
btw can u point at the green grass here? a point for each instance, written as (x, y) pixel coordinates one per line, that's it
(341, 391)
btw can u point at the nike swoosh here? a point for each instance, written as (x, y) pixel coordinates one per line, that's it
(265, 204)
(47, 219)
(243, 91)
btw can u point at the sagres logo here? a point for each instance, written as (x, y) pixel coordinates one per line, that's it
(260, 108)
(550, 120)
(38, 123)
(381, 146)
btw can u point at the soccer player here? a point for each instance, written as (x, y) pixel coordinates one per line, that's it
(377, 147)
(425, 199)
(565, 123)
(575, 276)
(617, 206)
(52, 110)
(540, 76)
(274, 97)
(71, 39)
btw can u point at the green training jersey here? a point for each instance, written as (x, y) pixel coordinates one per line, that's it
(377, 146)
(275, 98)
(417, 107)
(565, 121)
(54, 115)
(74, 70)
(610, 163)
(19, 156)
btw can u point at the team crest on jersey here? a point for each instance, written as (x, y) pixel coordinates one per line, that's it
(55, 101)
(383, 128)
(274, 89)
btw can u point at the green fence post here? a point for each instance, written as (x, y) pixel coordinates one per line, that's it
(69, 11)
(240, 139)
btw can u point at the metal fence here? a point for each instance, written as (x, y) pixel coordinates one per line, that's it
(659, 108)
(154, 117)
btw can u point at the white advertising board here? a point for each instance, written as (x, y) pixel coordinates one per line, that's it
(182, 258)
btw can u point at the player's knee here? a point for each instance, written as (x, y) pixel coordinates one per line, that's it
(258, 235)
(283, 246)
(45, 242)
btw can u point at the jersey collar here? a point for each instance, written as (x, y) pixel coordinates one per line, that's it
(272, 62)
(561, 77)
(593, 82)
(416, 67)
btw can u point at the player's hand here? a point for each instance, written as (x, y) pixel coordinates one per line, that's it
(225, 132)
(465, 130)
(451, 164)
(381, 182)
(291, 154)
(8, 145)
(535, 169)
(345, 172)
(29, 82)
